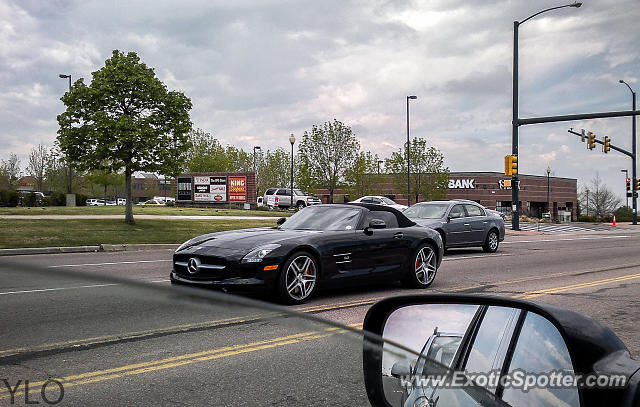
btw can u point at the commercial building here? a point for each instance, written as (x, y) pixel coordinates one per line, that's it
(493, 190)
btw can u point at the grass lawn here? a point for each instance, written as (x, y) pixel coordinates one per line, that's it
(137, 210)
(90, 232)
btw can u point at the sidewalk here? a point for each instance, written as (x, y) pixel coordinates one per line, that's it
(86, 249)
(169, 217)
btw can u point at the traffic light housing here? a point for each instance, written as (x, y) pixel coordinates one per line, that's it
(637, 184)
(511, 165)
(607, 144)
(591, 144)
(628, 184)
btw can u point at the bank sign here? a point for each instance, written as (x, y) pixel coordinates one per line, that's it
(462, 184)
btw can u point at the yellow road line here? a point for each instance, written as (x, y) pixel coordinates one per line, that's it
(539, 293)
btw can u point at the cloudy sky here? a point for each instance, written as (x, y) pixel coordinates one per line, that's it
(259, 70)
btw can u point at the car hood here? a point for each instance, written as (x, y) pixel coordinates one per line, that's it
(248, 238)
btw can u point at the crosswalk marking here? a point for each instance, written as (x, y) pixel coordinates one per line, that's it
(562, 228)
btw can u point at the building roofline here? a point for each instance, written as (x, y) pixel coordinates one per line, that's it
(500, 174)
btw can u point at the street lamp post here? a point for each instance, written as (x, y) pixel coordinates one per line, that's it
(408, 149)
(548, 204)
(255, 172)
(634, 190)
(292, 140)
(515, 220)
(626, 177)
(70, 197)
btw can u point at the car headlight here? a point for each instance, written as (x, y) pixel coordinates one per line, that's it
(256, 255)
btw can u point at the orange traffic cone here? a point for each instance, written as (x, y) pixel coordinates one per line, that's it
(614, 221)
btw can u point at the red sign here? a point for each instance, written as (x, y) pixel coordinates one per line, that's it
(237, 189)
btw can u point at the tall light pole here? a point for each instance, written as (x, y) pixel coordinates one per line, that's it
(292, 140)
(626, 177)
(408, 149)
(548, 204)
(515, 219)
(255, 172)
(70, 198)
(634, 190)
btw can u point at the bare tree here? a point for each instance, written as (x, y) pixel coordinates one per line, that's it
(38, 164)
(598, 198)
(10, 169)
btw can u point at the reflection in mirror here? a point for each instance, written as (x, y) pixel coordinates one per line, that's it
(460, 354)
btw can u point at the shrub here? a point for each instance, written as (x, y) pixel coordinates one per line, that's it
(170, 203)
(81, 200)
(624, 214)
(29, 199)
(9, 197)
(586, 218)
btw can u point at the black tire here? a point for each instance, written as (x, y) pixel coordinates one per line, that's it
(492, 242)
(298, 278)
(301, 205)
(426, 258)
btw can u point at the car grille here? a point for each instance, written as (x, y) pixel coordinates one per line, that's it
(208, 265)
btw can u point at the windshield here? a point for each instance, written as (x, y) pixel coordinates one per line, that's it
(426, 211)
(298, 192)
(388, 201)
(323, 218)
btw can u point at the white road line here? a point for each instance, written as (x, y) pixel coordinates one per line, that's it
(564, 239)
(478, 256)
(109, 264)
(55, 289)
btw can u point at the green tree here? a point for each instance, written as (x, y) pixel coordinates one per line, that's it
(125, 119)
(275, 169)
(207, 154)
(363, 178)
(429, 176)
(326, 152)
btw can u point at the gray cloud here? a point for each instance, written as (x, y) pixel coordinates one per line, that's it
(257, 71)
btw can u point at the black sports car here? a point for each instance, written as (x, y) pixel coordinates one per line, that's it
(320, 245)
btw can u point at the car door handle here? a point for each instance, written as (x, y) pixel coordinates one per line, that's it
(466, 224)
(398, 235)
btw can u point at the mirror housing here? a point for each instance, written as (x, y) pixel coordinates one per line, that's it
(592, 347)
(280, 221)
(400, 369)
(374, 224)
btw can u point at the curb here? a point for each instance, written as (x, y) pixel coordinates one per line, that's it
(85, 249)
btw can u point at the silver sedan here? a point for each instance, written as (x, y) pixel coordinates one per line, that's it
(460, 223)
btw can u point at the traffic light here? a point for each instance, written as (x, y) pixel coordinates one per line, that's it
(592, 141)
(628, 184)
(511, 165)
(637, 184)
(607, 144)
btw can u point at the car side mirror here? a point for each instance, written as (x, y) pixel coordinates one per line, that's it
(280, 221)
(400, 369)
(375, 224)
(446, 336)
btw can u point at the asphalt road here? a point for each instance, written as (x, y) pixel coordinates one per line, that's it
(115, 343)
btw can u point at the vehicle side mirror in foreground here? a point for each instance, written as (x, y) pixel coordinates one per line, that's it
(280, 221)
(450, 349)
(375, 224)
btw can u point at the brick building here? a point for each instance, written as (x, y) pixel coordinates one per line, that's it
(493, 190)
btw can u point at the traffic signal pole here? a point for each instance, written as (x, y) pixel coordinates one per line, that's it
(632, 154)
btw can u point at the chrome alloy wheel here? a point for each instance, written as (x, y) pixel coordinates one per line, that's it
(426, 265)
(301, 277)
(493, 241)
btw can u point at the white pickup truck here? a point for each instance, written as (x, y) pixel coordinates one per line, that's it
(281, 198)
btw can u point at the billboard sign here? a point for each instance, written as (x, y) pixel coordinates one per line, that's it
(237, 189)
(210, 189)
(185, 189)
